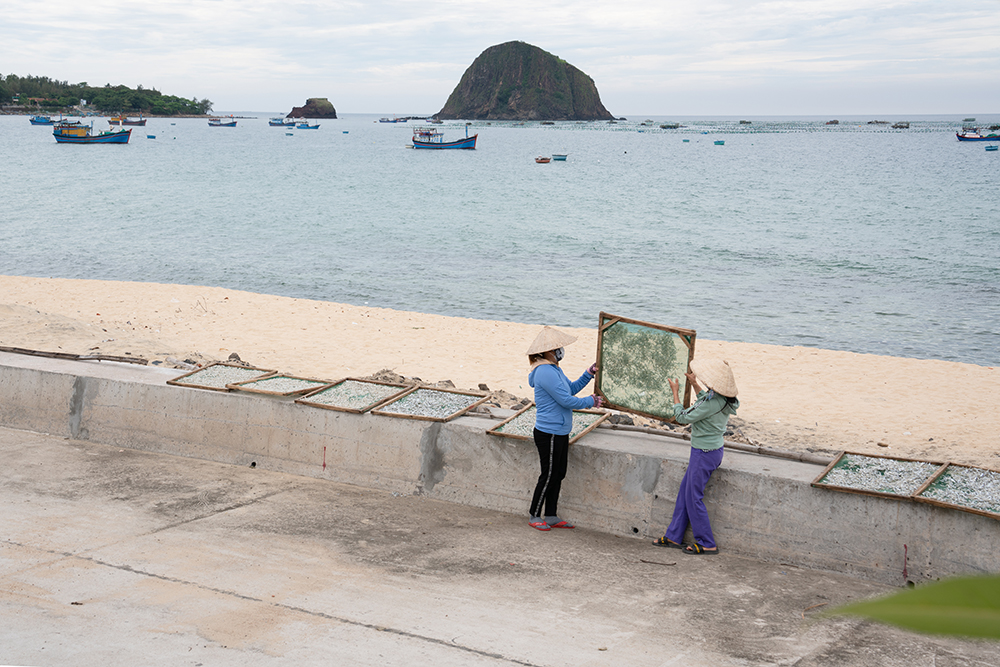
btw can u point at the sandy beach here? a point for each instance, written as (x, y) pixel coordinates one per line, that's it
(793, 398)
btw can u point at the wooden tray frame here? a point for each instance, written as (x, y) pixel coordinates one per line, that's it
(590, 411)
(387, 403)
(940, 503)
(865, 492)
(243, 386)
(687, 336)
(403, 389)
(177, 380)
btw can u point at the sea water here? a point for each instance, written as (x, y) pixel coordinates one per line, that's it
(853, 236)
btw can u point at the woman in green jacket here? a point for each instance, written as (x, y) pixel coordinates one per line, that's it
(708, 418)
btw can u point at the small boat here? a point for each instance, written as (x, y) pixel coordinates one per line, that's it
(427, 137)
(991, 148)
(670, 126)
(543, 160)
(901, 125)
(218, 122)
(975, 135)
(392, 120)
(833, 122)
(41, 120)
(304, 125)
(559, 157)
(720, 142)
(281, 122)
(84, 134)
(123, 120)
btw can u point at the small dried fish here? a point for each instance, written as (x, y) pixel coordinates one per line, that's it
(283, 384)
(219, 375)
(975, 488)
(524, 423)
(868, 473)
(430, 403)
(354, 394)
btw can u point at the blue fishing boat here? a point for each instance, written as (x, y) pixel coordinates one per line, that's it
(84, 134)
(428, 137)
(41, 120)
(281, 122)
(304, 125)
(991, 148)
(558, 157)
(218, 122)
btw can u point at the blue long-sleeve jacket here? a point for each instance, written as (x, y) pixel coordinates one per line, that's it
(554, 399)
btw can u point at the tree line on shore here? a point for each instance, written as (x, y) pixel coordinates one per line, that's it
(47, 94)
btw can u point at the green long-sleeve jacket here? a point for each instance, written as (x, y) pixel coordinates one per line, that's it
(708, 417)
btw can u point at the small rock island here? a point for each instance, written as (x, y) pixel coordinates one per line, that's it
(315, 107)
(518, 81)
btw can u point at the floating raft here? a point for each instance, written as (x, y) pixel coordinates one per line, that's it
(521, 425)
(280, 385)
(354, 395)
(219, 375)
(438, 405)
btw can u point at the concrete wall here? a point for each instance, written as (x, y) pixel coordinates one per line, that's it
(619, 482)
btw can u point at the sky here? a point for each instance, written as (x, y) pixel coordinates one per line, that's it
(404, 57)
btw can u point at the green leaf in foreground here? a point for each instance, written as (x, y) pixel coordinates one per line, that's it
(968, 606)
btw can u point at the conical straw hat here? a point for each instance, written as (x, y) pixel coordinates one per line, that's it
(550, 339)
(716, 375)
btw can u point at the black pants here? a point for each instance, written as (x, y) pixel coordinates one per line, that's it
(553, 452)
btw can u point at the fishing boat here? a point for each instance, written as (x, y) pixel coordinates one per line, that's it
(41, 120)
(543, 160)
(123, 120)
(991, 148)
(392, 120)
(428, 137)
(281, 122)
(84, 134)
(304, 125)
(976, 135)
(559, 157)
(218, 122)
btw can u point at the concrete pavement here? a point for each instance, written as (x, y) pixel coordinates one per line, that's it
(113, 556)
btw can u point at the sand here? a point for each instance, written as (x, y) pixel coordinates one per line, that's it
(793, 398)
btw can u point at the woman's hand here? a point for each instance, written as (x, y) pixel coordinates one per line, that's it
(674, 387)
(693, 381)
(593, 369)
(598, 401)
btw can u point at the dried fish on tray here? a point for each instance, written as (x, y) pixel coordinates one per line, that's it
(218, 375)
(354, 395)
(522, 424)
(280, 385)
(883, 476)
(439, 405)
(965, 488)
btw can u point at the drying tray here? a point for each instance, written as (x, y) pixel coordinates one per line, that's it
(218, 379)
(380, 392)
(431, 394)
(524, 422)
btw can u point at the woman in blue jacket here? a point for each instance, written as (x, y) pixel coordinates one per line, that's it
(555, 401)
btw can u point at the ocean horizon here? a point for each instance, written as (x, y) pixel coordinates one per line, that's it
(853, 236)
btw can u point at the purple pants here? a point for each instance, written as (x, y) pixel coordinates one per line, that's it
(690, 506)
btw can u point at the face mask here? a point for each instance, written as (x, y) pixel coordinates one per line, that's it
(559, 354)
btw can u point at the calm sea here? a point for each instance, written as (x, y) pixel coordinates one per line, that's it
(848, 237)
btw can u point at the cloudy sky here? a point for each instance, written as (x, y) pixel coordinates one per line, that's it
(654, 57)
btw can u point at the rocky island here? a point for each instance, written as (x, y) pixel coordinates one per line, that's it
(315, 107)
(518, 81)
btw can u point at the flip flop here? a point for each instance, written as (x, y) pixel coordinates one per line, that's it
(698, 550)
(562, 523)
(540, 525)
(664, 542)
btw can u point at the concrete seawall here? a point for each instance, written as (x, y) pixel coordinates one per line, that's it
(619, 482)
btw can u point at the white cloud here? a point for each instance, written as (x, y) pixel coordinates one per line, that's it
(645, 57)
